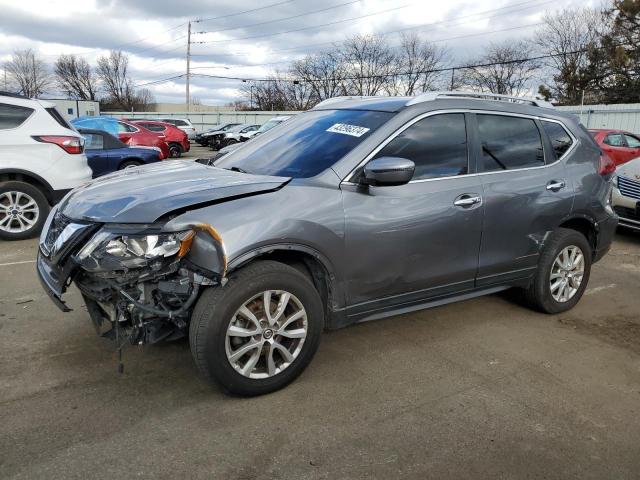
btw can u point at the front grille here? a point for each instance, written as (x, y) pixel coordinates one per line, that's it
(629, 188)
(628, 213)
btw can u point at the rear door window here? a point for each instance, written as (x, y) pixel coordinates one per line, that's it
(153, 127)
(560, 139)
(614, 140)
(123, 127)
(509, 143)
(12, 116)
(437, 145)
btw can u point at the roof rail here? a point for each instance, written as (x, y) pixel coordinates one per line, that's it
(342, 98)
(430, 96)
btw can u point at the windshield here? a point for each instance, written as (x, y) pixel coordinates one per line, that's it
(312, 142)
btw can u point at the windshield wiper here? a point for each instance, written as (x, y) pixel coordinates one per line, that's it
(236, 169)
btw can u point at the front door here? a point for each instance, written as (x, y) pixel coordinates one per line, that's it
(411, 242)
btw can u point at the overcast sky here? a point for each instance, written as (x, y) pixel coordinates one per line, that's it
(153, 32)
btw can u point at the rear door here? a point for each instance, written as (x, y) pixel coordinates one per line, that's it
(407, 243)
(526, 192)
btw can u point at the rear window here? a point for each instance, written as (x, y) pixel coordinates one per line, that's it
(58, 118)
(93, 141)
(180, 123)
(313, 142)
(12, 116)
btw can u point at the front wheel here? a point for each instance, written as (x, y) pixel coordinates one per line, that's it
(260, 331)
(563, 272)
(23, 210)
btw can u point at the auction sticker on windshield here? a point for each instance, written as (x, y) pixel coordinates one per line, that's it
(353, 130)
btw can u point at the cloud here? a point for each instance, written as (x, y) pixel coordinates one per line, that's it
(153, 33)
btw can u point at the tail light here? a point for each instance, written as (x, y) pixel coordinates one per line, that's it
(607, 166)
(73, 145)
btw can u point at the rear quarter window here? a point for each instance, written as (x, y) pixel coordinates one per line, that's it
(560, 139)
(12, 116)
(53, 111)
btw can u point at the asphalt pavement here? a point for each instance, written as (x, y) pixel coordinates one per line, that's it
(480, 389)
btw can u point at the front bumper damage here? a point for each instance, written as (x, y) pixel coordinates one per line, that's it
(141, 305)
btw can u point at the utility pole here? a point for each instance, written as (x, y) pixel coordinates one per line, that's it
(188, 99)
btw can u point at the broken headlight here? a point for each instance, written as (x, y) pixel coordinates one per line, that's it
(109, 251)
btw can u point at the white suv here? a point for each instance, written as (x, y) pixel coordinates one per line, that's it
(41, 159)
(183, 124)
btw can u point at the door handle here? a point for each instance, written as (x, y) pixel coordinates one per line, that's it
(467, 200)
(556, 185)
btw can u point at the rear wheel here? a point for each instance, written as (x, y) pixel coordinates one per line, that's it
(129, 164)
(23, 210)
(175, 150)
(563, 272)
(260, 331)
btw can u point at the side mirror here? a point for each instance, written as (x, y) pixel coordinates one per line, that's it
(385, 171)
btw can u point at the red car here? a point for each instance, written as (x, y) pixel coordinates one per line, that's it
(177, 140)
(619, 145)
(138, 136)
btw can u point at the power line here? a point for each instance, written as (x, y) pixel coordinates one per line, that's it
(396, 74)
(307, 28)
(392, 32)
(241, 13)
(282, 19)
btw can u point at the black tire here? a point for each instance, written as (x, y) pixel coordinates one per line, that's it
(175, 150)
(40, 200)
(214, 312)
(231, 141)
(129, 163)
(538, 295)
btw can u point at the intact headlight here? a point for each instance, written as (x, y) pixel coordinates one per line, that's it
(109, 251)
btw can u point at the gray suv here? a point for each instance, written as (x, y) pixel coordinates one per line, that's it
(359, 209)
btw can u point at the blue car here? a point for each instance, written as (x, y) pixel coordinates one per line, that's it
(107, 154)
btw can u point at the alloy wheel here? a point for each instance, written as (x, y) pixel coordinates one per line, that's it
(566, 275)
(19, 212)
(266, 334)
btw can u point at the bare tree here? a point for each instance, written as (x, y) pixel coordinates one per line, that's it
(370, 63)
(143, 98)
(113, 72)
(74, 75)
(571, 37)
(502, 69)
(417, 64)
(324, 73)
(28, 73)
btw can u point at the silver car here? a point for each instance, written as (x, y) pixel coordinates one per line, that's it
(359, 209)
(626, 194)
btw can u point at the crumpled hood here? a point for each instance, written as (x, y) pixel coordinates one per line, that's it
(144, 194)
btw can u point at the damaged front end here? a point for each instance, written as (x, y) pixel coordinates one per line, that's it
(139, 282)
